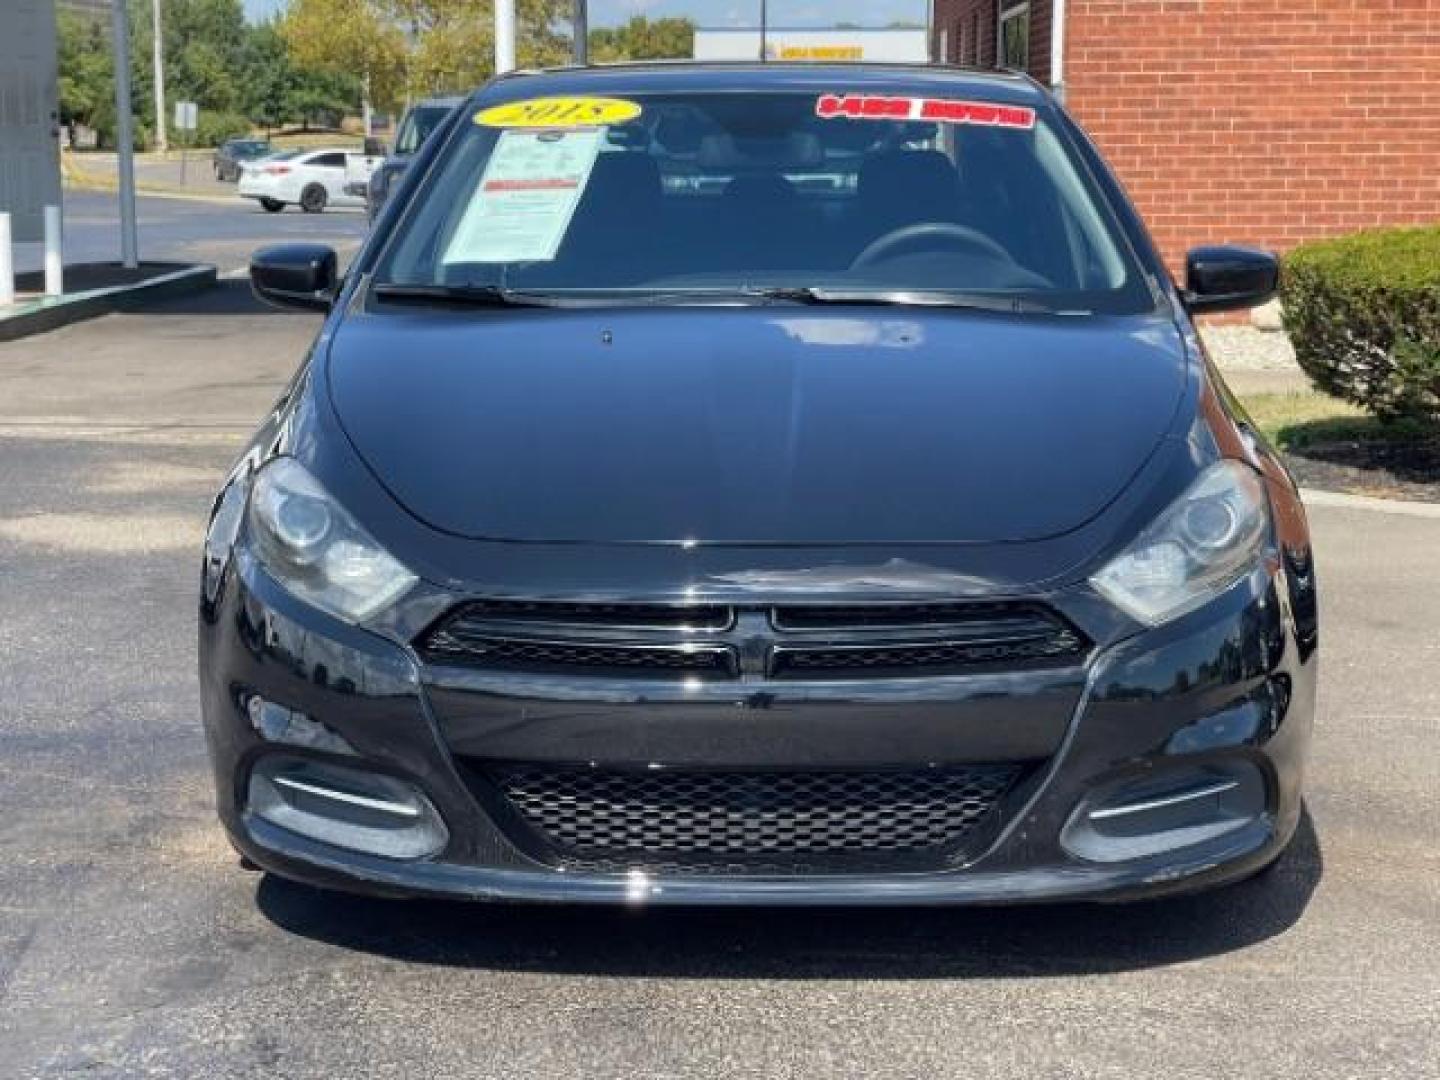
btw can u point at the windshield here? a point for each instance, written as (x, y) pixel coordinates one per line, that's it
(419, 122)
(736, 193)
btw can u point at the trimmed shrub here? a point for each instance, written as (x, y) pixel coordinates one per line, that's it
(212, 129)
(1363, 312)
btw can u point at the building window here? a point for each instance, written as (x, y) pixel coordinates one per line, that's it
(1013, 45)
(972, 51)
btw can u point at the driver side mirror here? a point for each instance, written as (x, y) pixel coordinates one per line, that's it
(301, 276)
(1229, 278)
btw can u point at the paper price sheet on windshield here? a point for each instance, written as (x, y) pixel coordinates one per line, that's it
(527, 198)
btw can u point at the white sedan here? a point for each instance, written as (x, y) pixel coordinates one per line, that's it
(309, 179)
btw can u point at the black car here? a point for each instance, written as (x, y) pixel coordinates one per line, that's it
(233, 153)
(759, 484)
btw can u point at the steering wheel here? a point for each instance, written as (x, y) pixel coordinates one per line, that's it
(923, 235)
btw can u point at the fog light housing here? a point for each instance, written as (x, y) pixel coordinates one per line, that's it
(348, 808)
(276, 723)
(1173, 809)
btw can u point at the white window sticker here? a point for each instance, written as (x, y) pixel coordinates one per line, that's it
(524, 203)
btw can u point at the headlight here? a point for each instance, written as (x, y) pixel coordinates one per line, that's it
(1203, 542)
(312, 546)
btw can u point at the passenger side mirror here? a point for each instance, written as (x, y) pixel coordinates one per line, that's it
(1229, 278)
(302, 276)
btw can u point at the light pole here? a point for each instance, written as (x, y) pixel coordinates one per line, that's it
(582, 33)
(764, 30)
(158, 58)
(124, 134)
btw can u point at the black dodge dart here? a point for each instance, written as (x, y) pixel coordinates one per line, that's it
(759, 484)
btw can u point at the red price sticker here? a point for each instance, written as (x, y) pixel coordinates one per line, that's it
(935, 110)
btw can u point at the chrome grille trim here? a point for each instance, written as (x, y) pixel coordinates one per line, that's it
(720, 642)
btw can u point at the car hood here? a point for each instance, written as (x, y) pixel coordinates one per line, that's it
(753, 425)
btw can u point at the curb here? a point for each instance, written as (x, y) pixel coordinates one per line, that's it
(1340, 501)
(145, 191)
(51, 313)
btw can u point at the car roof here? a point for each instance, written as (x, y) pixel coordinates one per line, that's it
(678, 77)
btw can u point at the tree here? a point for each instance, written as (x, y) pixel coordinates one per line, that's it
(644, 39)
(357, 37)
(204, 48)
(87, 73)
(414, 47)
(276, 91)
(268, 78)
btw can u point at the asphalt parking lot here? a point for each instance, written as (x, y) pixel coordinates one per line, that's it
(220, 229)
(132, 944)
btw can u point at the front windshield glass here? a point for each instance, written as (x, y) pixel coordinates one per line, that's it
(737, 193)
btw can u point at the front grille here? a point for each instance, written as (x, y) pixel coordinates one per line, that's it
(637, 616)
(528, 655)
(911, 616)
(690, 821)
(940, 655)
(718, 642)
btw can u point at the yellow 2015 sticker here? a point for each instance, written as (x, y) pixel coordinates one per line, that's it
(559, 112)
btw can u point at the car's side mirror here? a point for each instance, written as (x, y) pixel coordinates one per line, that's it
(374, 147)
(1229, 278)
(300, 276)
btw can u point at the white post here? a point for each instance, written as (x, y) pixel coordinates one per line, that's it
(158, 59)
(1057, 51)
(366, 110)
(54, 262)
(7, 265)
(125, 135)
(504, 36)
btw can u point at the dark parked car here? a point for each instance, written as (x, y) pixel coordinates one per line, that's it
(419, 121)
(759, 484)
(233, 153)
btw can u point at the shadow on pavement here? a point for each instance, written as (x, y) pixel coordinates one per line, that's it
(885, 943)
(229, 296)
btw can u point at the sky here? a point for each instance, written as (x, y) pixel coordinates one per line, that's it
(725, 12)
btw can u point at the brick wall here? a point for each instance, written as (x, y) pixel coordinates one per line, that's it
(1262, 121)
(969, 30)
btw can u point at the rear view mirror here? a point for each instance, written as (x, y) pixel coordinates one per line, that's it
(1229, 278)
(300, 276)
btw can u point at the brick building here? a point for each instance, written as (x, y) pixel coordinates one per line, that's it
(1256, 121)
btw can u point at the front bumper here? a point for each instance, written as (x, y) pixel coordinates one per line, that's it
(1229, 687)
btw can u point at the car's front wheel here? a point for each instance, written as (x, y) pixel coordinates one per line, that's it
(313, 199)
(273, 206)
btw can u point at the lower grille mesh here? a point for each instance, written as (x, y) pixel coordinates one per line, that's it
(676, 820)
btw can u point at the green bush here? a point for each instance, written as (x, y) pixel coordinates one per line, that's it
(212, 129)
(1364, 314)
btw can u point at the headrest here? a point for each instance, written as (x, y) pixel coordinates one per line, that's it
(923, 181)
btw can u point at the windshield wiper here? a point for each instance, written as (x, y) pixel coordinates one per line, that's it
(469, 295)
(806, 294)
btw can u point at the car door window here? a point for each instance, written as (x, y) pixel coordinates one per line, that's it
(328, 161)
